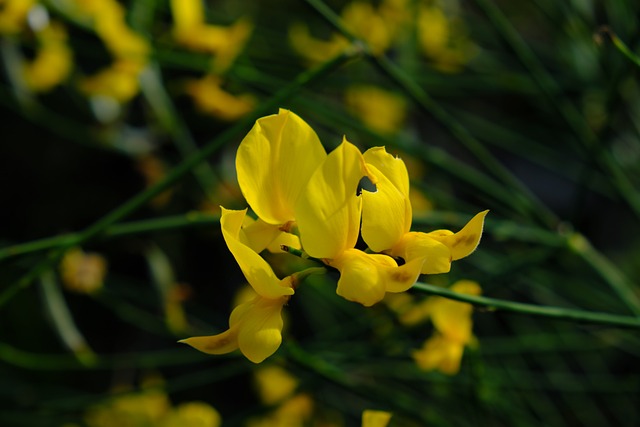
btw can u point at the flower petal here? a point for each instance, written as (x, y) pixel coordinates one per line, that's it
(223, 343)
(328, 211)
(465, 241)
(274, 162)
(360, 276)
(255, 269)
(371, 418)
(386, 213)
(392, 167)
(261, 329)
(416, 245)
(453, 318)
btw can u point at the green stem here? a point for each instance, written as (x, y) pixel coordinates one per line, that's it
(179, 171)
(570, 114)
(117, 230)
(559, 313)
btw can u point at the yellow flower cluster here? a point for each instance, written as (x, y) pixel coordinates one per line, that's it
(319, 203)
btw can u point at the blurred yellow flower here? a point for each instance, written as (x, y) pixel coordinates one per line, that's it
(379, 109)
(83, 272)
(53, 61)
(192, 414)
(118, 81)
(274, 384)
(453, 325)
(371, 418)
(13, 15)
(191, 31)
(210, 98)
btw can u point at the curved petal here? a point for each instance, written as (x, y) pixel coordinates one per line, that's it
(223, 343)
(274, 162)
(392, 167)
(261, 330)
(386, 214)
(360, 279)
(255, 269)
(453, 318)
(439, 353)
(465, 241)
(416, 245)
(328, 210)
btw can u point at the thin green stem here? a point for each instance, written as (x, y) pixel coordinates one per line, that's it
(559, 313)
(179, 171)
(135, 227)
(619, 44)
(570, 114)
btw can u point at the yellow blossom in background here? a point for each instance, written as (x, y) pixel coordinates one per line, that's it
(379, 109)
(118, 81)
(53, 61)
(191, 31)
(453, 331)
(210, 98)
(13, 15)
(274, 384)
(313, 49)
(83, 272)
(371, 418)
(442, 38)
(192, 414)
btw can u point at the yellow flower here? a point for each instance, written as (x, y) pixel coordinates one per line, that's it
(274, 384)
(13, 15)
(192, 414)
(191, 31)
(371, 418)
(453, 324)
(379, 109)
(83, 272)
(328, 215)
(255, 327)
(53, 60)
(210, 98)
(274, 162)
(119, 81)
(387, 216)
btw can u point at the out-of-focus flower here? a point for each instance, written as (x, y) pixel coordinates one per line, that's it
(53, 61)
(371, 418)
(379, 109)
(442, 38)
(453, 331)
(255, 327)
(13, 15)
(210, 98)
(274, 384)
(150, 407)
(83, 272)
(191, 31)
(118, 81)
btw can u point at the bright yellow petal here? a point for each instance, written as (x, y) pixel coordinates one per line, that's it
(392, 167)
(328, 210)
(274, 162)
(465, 241)
(258, 234)
(223, 343)
(416, 245)
(187, 13)
(261, 330)
(255, 269)
(386, 214)
(453, 318)
(371, 418)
